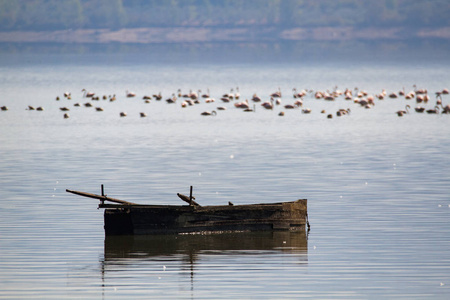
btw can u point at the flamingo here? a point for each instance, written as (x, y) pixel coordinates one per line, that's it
(393, 95)
(87, 94)
(237, 95)
(298, 103)
(410, 95)
(419, 109)
(380, 96)
(419, 91)
(328, 97)
(172, 100)
(277, 94)
(209, 113)
(230, 95)
(256, 98)
(318, 95)
(157, 96)
(243, 104)
(433, 111)
(298, 94)
(400, 113)
(342, 112)
(268, 105)
(206, 95)
(362, 102)
(302, 93)
(194, 95)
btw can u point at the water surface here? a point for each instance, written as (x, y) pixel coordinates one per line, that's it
(377, 184)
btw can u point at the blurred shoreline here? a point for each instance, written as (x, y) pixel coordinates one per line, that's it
(161, 35)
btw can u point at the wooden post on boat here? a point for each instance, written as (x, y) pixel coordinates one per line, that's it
(307, 221)
(103, 194)
(189, 199)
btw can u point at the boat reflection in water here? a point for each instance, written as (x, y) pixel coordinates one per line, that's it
(122, 253)
(139, 246)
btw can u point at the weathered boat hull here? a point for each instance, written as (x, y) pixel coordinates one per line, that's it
(161, 219)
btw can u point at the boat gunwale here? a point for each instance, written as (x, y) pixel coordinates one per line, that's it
(197, 208)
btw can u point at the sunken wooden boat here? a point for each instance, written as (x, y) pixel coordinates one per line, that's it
(127, 218)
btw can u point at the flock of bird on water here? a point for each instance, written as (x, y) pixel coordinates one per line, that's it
(356, 96)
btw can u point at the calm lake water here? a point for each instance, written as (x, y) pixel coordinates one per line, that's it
(377, 184)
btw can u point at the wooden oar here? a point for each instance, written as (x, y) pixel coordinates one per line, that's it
(100, 197)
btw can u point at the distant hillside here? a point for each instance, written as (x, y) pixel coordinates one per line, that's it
(114, 14)
(220, 20)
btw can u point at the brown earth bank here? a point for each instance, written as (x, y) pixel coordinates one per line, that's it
(211, 34)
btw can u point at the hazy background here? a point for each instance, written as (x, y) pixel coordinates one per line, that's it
(229, 31)
(409, 15)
